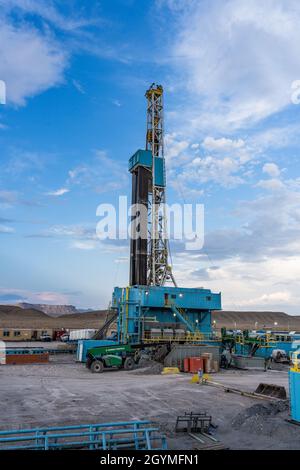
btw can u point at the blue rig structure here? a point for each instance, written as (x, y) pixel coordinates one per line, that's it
(151, 314)
(151, 311)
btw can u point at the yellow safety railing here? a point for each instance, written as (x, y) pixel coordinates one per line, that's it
(187, 338)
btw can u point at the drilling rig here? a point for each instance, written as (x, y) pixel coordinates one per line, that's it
(153, 309)
(152, 312)
(149, 253)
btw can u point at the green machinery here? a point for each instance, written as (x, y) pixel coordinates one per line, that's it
(121, 356)
(246, 343)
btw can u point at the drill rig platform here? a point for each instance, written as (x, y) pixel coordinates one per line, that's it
(153, 310)
(149, 310)
(164, 314)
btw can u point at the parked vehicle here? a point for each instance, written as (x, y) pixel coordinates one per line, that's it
(65, 337)
(45, 337)
(121, 356)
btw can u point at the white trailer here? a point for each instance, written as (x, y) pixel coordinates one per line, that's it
(76, 335)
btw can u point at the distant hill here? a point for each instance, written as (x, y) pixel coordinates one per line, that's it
(12, 312)
(17, 317)
(52, 310)
(256, 320)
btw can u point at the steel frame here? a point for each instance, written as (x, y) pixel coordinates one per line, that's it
(159, 270)
(123, 435)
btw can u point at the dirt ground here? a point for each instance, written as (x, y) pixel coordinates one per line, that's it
(65, 392)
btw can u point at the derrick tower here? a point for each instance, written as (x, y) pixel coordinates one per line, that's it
(149, 254)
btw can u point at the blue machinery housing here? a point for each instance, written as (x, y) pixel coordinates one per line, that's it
(153, 314)
(144, 158)
(137, 435)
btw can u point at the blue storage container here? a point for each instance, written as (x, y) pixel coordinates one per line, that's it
(294, 383)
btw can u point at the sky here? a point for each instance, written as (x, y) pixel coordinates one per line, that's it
(76, 74)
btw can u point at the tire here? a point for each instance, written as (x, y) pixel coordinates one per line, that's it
(129, 363)
(97, 367)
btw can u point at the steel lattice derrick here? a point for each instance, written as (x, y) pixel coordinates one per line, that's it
(158, 269)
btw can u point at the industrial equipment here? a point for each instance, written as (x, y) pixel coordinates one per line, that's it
(120, 356)
(149, 312)
(259, 344)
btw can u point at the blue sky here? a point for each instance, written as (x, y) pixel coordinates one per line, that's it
(76, 73)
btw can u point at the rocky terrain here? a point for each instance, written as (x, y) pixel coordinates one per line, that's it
(52, 310)
(12, 316)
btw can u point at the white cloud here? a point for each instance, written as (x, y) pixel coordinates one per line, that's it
(33, 57)
(276, 298)
(239, 59)
(102, 173)
(222, 144)
(117, 103)
(271, 169)
(78, 86)
(272, 184)
(10, 295)
(8, 196)
(30, 62)
(122, 260)
(58, 192)
(84, 244)
(256, 261)
(49, 12)
(5, 229)
(174, 146)
(195, 146)
(210, 169)
(72, 231)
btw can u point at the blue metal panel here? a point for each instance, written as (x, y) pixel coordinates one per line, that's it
(264, 351)
(159, 170)
(140, 304)
(202, 299)
(141, 157)
(294, 383)
(85, 344)
(144, 158)
(15, 351)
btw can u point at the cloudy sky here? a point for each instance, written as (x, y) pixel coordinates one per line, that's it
(76, 73)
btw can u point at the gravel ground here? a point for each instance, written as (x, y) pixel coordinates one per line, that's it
(65, 392)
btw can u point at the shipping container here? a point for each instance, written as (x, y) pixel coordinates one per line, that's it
(196, 363)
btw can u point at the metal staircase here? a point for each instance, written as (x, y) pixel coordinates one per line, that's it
(180, 313)
(111, 317)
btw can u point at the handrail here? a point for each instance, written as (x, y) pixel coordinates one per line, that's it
(73, 427)
(139, 435)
